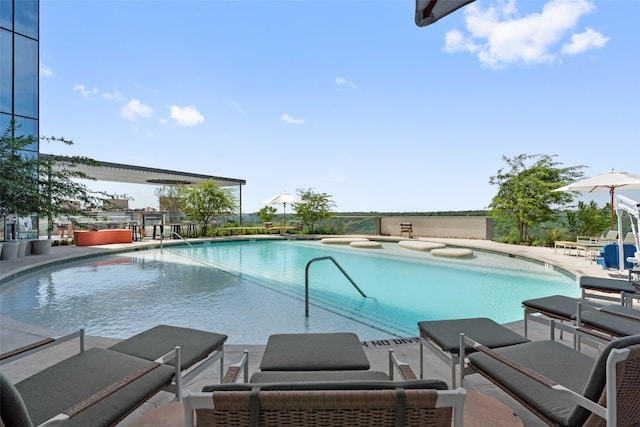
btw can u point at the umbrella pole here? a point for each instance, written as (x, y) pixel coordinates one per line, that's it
(284, 218)
(612, 191)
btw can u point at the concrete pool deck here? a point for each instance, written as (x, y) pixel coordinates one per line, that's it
(15, 334)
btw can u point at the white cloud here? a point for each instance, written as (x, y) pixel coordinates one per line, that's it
(585, 41)
(135, 109)
(45, 71)
(114, 96)
(288, 119)
(340, 81)
(186, 116)
(499, 36)
(82, 90)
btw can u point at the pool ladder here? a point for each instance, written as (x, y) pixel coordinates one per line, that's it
(306, 280)
(173, 233)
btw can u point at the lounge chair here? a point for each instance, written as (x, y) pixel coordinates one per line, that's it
(110, 383)
(198, 349)
(94, 388)
(615, 321)
(606, 237)
(543, 310)
(442, 337)
(314, 352)
(604, 288)
(600, 322)
(328, 398)
(563, 386)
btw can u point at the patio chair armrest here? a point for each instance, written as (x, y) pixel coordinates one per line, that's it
(105, 392)
(536, 376)
(43, 344)
(403, 367)
(231, 376)
(631, 316)
(592, 333)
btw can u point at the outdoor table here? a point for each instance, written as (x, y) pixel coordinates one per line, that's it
(565, 245)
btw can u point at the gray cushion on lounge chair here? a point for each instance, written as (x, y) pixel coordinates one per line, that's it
(339, 385)
(551, 359)
(13, 411)
(314, 352)
(153, 343)
(606, 285)
(317, 376)
(557, 362)
(59, 387)
(446, 333)
(558, 305)
(616, 325)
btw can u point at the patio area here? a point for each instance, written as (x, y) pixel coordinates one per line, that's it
(14, 334)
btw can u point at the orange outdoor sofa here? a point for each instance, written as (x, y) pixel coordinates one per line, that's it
(101, 237)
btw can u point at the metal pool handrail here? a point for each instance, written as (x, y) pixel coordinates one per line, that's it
(176, 234)
(306, 280)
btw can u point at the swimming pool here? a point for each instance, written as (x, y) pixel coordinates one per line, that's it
(252, 289)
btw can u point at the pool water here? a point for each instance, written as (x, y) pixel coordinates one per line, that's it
(252, 289)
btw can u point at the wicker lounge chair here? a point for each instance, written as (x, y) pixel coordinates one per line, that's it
(563, 386)
(414, 403)
(327, 398)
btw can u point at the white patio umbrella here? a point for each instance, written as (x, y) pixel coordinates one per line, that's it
(283, 199)
(608, 181)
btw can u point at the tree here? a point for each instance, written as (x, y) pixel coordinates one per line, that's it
(589, 219)
(525, 191)
(313, 207)
(170, 198)
(46, 185)
(18, 174)
(206, 201)
(60, 191)
(267, 213)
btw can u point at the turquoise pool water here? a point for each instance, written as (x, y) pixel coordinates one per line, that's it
(251, 289)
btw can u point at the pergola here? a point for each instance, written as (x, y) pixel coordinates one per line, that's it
(130, 174)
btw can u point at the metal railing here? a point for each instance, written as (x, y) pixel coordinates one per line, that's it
(173, 233)
(306, 280)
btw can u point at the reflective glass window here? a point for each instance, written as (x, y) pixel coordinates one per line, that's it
(26, 77)
(26, 127)
(26, 18)
(6, 71)
(6, 14)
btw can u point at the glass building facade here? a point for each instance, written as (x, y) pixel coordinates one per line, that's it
(19, 69)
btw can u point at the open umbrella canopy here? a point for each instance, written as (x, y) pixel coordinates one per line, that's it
(608, 181)
(283, 199)
(429, 11)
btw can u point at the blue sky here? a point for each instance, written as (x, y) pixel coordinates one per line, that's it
(349, 98)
